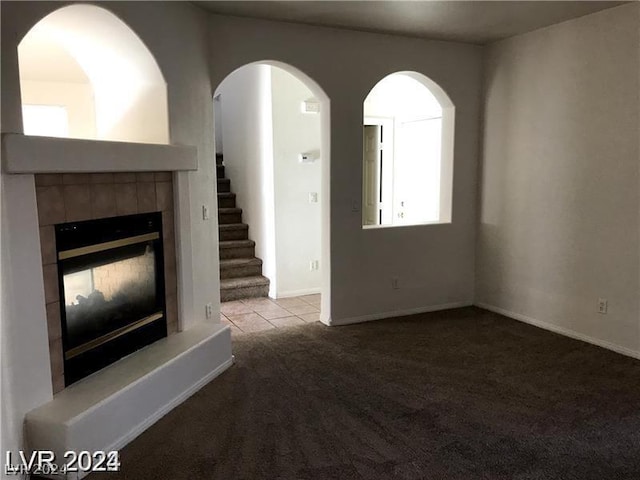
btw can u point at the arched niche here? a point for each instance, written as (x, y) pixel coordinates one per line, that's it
(408, 135)
(85, 74)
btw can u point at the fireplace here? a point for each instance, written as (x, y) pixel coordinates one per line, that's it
(112, 290)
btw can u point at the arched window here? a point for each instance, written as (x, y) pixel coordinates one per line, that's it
(85, 74)
(407, 152)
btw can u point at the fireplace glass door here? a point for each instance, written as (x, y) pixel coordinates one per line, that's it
(112, 290)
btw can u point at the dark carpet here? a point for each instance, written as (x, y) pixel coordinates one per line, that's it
(457, 395)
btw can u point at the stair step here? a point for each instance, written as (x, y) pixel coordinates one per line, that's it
(240, 267)
(233, 231)
(224, 185)
(237, 249)
(219, 159)
(220, 171)
(226, 200)
(245, 287)
(229, 215)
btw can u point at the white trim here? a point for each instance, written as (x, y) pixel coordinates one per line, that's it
(33, 154)
(298, 293)
(397, 313)
(560, 330)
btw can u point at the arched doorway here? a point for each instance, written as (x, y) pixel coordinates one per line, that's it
(272, 129)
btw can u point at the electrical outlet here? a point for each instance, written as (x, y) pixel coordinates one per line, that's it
(314, 265)
(395, 283)
(313, 197)
(603, 305)
(208, 310)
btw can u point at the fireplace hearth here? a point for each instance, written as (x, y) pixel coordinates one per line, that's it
(112, 290)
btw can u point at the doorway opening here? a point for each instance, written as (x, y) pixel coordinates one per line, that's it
(272, 150)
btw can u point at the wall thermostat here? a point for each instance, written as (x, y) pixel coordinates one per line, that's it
(306, 157)
(311, 106)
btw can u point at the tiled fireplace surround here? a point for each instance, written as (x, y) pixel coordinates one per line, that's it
(78, 196)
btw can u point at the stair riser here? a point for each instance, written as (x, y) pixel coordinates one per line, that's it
(246, 292)
(224, 187)
(238, 252)
(242, 271)
(233, 235)
(220, 171)
(226, 203)
(225, 218)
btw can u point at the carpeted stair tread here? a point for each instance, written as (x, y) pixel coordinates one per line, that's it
(224, 185)
(243, 282)
(233, 226)
(226, 200)
(237, 243)
(233, 231)
(229, 211)
(239, 262)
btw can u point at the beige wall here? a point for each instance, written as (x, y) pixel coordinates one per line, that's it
(560, 193)
(434, 263)
(77, 98)
(297, 221)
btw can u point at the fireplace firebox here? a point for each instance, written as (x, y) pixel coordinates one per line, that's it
(111, 283)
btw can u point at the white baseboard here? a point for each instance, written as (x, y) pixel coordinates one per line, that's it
(298, 293)
(397, 313)
(560, 330)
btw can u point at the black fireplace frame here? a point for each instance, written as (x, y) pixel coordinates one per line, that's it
(82, 238)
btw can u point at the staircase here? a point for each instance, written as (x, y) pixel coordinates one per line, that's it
(240, 270)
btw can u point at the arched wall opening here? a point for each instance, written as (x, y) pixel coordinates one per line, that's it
(85, 74)
(408, 135)
(272, 126)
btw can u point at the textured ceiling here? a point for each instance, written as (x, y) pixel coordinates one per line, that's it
(477, 22)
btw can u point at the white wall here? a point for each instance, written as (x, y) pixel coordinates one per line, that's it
(142, 117)
(297, 221)
(183, 61)
(247, 132)
(560, 194)
(434, 263)
(77, 98)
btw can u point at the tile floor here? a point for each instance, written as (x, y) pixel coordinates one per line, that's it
(258, 314)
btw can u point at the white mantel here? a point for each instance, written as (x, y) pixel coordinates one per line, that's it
(34, 154)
